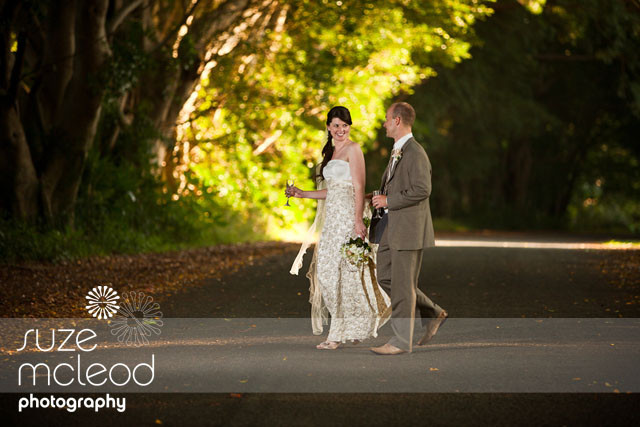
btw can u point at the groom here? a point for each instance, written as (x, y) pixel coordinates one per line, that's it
(403, 232)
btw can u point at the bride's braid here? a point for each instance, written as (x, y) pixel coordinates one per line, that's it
(327, 153)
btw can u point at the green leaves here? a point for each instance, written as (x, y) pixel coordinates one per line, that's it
(262, 107)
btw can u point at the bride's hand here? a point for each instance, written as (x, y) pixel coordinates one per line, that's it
(360, 229)
(293, 192)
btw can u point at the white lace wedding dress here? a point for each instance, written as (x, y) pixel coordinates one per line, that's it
(357, 304)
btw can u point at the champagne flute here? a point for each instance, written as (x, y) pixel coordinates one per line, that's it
(289, 185)
(377, 212)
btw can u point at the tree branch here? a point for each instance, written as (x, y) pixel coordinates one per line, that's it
(8, 13)
(121, 15)
(267, 142)
(635, 3)
(207, 26)
(38, 26)
(123, 120)
(562, 57)
(175, 30)
(14, 82)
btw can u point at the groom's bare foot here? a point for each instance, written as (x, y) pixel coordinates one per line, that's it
(328, 345)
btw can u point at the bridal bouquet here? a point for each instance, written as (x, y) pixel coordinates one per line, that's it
(356, 251)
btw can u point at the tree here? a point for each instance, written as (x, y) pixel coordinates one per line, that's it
(542, 93)
(59, 70)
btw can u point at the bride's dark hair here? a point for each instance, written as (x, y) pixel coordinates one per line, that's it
(327, 151)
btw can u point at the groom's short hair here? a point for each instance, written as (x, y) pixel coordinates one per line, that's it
(405, 111)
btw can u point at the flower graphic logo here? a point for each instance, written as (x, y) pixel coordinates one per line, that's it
(138, 317)
(102, 302)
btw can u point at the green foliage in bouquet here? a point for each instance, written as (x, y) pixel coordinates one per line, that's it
(357, 251)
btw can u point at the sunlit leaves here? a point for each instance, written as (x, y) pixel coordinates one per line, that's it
(263, 117)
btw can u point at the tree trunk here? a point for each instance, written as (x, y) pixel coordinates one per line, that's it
(76, 127)
(518, 172)
(18, 179)
(170, 85)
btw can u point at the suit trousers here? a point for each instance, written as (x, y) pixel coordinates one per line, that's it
(398, 272)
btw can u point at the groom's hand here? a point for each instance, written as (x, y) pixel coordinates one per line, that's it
(379, 201)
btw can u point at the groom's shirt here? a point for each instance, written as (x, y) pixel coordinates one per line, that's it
(400, 143)
(398, 146)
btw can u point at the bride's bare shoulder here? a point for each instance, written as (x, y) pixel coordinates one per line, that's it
(354, 147)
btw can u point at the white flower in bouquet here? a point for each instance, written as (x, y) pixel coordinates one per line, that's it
(356, 251)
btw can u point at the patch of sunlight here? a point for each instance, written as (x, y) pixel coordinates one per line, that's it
(290, 233)
(496, 243)
(446, 224)
(616, 244)
(534, 6)
(14, 42)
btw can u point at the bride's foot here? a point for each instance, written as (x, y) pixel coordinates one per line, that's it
(328, 345)
(356, 342)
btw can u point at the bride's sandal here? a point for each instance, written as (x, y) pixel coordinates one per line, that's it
(328, 345)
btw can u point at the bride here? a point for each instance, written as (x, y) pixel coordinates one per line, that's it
(357, 304)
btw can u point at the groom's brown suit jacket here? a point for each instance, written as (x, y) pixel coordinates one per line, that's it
(408, 191)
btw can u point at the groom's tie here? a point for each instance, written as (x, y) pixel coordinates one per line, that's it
(390, 166)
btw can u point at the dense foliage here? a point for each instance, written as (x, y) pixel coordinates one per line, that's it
(540, 128)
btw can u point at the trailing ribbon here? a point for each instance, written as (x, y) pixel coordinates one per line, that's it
(383, 310)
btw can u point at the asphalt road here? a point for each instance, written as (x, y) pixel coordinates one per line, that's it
(490, 364)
